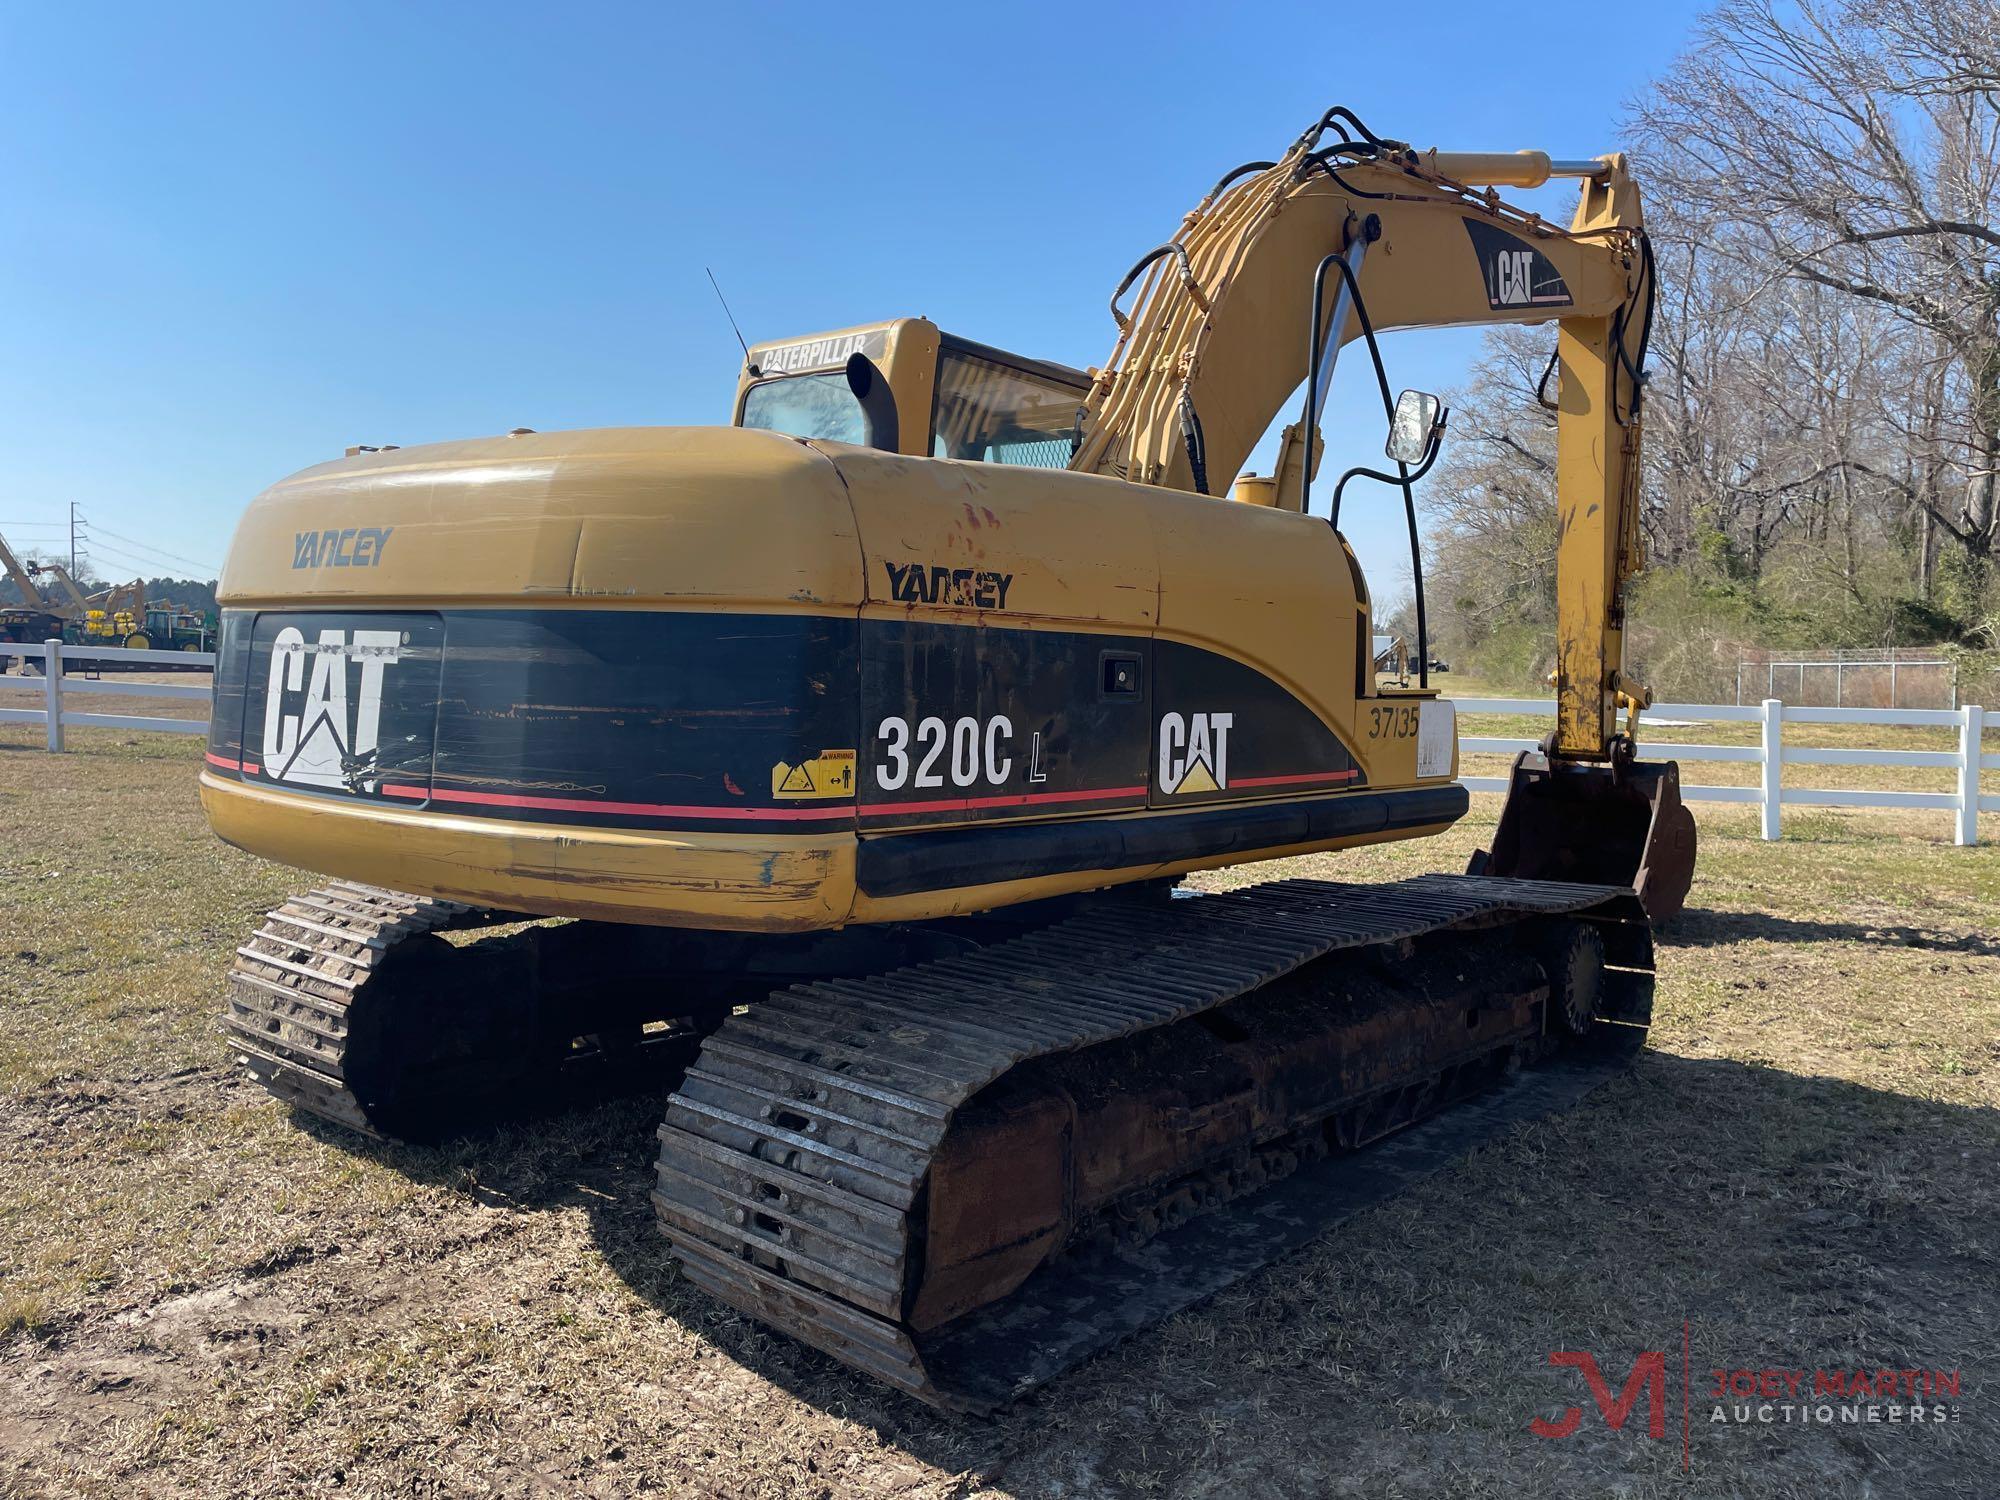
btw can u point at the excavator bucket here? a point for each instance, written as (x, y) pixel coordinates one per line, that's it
(1622, 824)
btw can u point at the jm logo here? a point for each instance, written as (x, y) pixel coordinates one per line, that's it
(1649, 1374)
(1194, 752)
(330, 738)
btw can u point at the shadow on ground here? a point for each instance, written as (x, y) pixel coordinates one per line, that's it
(1696, 928)
(1792, 1222)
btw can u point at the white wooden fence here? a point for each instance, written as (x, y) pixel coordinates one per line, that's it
(56, 686)
(1771, 755)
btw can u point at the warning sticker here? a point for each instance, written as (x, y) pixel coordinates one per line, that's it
(1437, 738)
(827, 775)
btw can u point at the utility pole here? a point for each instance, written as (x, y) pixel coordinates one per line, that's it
(79, 534)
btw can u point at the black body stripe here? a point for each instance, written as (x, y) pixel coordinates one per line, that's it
(686, 719)
(903, 864)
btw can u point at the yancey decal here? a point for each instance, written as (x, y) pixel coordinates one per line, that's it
(329, 739)
(829, 774)
(1194, 752)
(349, 547)
(975, 588)
(1516, 273)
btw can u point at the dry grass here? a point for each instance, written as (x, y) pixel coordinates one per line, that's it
(200, 1295)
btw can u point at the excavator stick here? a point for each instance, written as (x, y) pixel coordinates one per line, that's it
(1621, 824)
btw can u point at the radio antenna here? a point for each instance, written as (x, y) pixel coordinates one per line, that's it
(732, 319)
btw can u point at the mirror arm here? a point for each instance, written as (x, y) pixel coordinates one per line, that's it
(1406, 480)
(1410, 476)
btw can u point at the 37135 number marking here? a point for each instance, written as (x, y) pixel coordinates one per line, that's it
(1392, 721)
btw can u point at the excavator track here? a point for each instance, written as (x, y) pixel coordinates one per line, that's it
(295, 982)
(797, 1164)
(347, 1004)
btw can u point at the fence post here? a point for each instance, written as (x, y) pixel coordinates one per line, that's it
(1971, 722)
(1774, 763)
(52, 675)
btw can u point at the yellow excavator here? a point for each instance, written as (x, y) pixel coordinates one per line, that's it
(858, 749)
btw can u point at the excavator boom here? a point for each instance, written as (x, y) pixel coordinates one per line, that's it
(1215, 343)
(23, 578)
(77, 605)
(1221, 334)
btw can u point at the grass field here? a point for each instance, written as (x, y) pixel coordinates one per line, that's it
(201, 1295)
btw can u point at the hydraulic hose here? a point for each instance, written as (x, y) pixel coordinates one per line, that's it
(1404, 477)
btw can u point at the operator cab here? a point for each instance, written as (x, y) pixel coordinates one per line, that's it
(938, 396)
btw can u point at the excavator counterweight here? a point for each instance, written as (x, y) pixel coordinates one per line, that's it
(850, 758)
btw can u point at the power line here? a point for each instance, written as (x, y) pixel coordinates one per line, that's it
(121, 556)
(186, 562)
(126, 558)
(149, 564)
(91, 544)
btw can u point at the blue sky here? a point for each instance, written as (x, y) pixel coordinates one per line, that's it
(235, 239)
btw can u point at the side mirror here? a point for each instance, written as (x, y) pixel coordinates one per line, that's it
(1414, 428)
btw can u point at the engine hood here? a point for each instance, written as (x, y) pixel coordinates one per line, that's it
(719, 515)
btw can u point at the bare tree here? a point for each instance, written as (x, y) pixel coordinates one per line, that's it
(1855, 147)
(1492, 502)
(1823, 414)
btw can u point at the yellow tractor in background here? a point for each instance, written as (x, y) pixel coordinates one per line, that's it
(124, 616)
(121, 616)
(859, 748)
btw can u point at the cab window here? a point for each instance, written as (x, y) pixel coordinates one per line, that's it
(1002, 414)
(806, 406)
